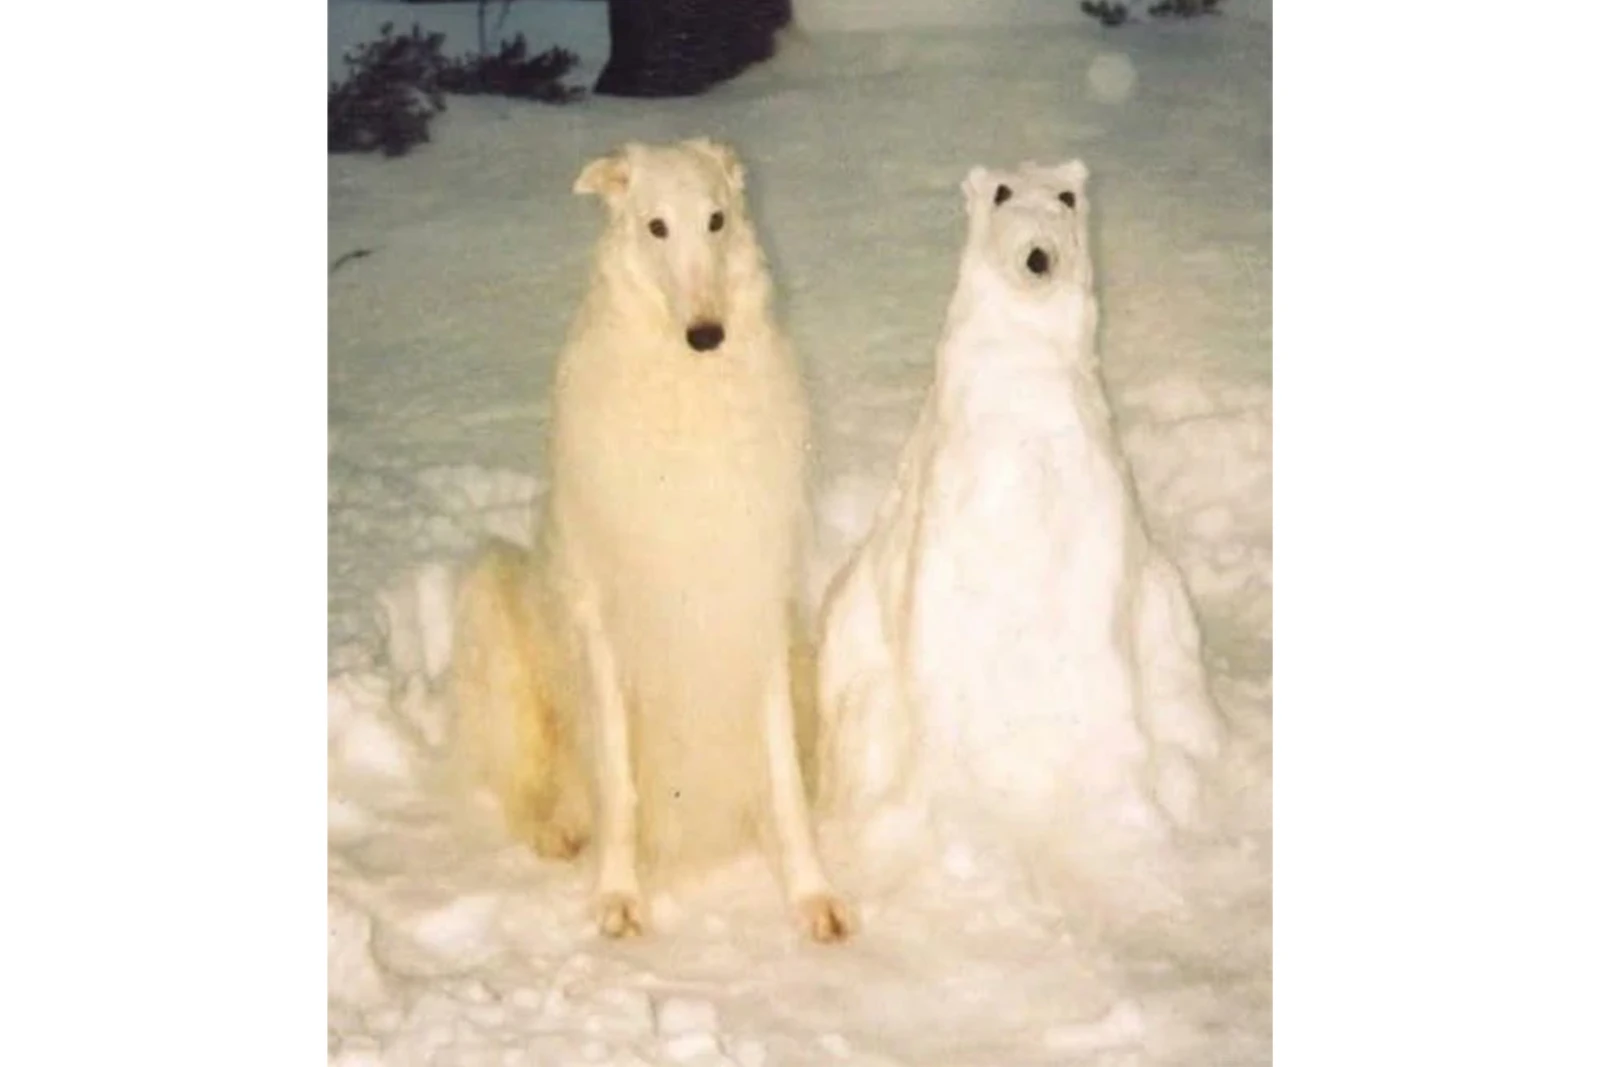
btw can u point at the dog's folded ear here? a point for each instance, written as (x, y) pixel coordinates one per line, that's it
(605, 177)
(724, 157)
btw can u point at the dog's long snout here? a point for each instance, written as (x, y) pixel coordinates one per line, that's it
(705, 336)
(1039, 261)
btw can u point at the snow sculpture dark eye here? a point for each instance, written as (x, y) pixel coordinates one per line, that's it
(1002, 193)
(1069, 198)
(658, 228)
(716, 221)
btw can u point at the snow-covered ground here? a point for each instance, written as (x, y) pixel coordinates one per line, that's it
(450, 945)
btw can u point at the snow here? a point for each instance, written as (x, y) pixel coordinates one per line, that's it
(450, 945)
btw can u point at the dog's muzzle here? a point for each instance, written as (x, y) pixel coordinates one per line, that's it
(705, 336)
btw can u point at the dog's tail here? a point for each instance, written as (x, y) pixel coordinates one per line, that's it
(513, 733)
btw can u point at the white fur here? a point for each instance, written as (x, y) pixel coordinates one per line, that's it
(1006, 646)
(669, 552)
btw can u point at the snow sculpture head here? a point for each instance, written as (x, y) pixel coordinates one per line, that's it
(1030, 227)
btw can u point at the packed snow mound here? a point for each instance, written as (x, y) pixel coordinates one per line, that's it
(1008, 657)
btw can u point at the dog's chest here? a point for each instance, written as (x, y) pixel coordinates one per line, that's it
(687, 456)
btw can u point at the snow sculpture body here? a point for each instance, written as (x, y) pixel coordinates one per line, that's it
(1007, 656)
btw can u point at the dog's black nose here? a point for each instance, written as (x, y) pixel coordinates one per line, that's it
(1039, 261)
(705, 336)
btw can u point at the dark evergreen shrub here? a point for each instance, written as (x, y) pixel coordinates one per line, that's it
(1109, 14)
(391, 94)
(1185, 8)
(1113, 13)
(512, 72)
(397, 85)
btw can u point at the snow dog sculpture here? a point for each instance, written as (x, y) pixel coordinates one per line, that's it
(1007, 657)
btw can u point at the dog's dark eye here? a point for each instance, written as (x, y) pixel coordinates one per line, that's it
(1069, 198)
(1002, 193)
(658, 228)
(716, 221)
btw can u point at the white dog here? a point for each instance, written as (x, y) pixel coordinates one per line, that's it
(631, 678)
(1007, 646)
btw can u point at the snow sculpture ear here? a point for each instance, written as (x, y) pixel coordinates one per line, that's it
(1074, 172)
(607, 176)
(977, 187)
(724, 157)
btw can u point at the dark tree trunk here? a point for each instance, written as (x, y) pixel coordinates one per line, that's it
(683, 47)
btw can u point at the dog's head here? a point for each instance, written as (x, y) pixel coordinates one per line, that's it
(678, 214)
(1031, 225)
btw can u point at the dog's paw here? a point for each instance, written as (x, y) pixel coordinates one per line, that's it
(825, 918)
(619, 915)
(555, 842)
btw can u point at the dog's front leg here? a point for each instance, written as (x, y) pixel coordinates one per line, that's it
(619, 905)
(820, 910)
